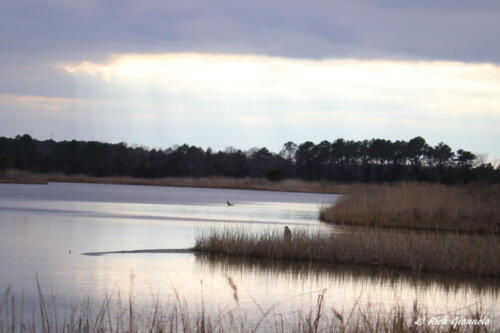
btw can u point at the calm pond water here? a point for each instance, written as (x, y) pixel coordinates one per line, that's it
(41, 224)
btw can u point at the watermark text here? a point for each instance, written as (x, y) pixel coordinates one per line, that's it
(453, 321)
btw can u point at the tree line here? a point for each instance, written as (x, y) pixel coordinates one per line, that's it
(375, 160)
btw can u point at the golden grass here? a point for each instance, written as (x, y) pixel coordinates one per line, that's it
(115, 316)
(417, 251)
(288, 185)
(419, 206)
(22, 177)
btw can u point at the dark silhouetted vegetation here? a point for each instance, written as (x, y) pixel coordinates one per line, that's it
(4, 163)
(375, 160)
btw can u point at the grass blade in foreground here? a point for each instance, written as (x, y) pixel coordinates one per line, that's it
(111, 316)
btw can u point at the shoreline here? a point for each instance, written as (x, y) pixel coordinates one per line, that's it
(354, 263)
(188, 250)
(259, 184)
(228, 255)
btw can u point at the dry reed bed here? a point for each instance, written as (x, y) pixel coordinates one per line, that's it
(289, 185)
(419, 206)
(21, 177)
(115, 316)
(417, 251)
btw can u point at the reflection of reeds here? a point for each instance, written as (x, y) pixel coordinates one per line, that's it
(297, 271)
(178, 316)
(450, 253)
(419, 206)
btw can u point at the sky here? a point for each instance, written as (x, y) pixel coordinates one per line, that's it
(251, 74)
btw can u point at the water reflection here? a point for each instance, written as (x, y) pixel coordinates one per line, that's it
(366, 285)
(40, 224)
(245, 213)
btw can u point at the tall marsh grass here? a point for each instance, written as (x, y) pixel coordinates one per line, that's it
(419, 206)
(417, 251)
(113, 315)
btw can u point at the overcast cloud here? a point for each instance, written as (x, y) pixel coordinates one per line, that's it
(40, 39)
(37, 34)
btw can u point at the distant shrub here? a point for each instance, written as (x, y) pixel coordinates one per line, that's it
(4, 163)
(275, 175)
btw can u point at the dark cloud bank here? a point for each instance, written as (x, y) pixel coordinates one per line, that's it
(47, 31)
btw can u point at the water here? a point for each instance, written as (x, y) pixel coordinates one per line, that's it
(41, 224)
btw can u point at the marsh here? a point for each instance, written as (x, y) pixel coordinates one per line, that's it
(40, 224)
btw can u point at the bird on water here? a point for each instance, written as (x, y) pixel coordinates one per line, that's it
(229, 204)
